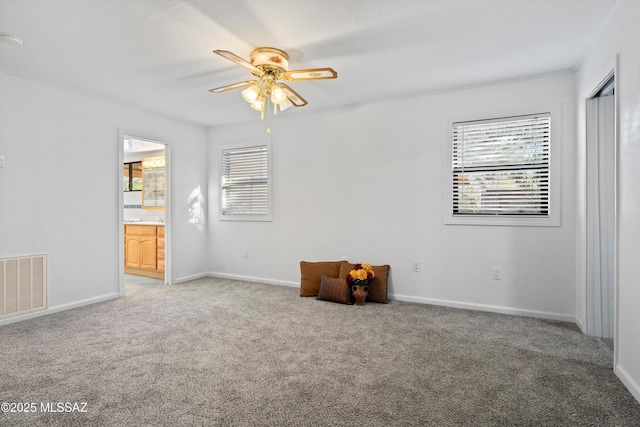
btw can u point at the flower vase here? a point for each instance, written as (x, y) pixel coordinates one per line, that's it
(360, 292)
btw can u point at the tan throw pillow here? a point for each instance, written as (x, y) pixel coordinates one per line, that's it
(311, 272)
(334, 289)
(377, 286)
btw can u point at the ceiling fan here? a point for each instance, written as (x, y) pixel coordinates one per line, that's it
(270, 68)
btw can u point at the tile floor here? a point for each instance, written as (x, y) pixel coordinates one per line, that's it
(138, 283)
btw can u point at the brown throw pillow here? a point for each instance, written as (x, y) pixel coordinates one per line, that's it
(377, 287)
(311, 272)
(334, 289)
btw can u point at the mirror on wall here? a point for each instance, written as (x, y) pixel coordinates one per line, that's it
(153, 183)
(132, 176)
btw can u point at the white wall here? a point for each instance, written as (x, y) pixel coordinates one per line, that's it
(366, 182)
(135, 198)
(60, 186)
(621, 37)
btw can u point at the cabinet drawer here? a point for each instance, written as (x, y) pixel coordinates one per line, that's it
(161, 231)
(161, 265)
(140, 230)
(160, 253)
(160, 242)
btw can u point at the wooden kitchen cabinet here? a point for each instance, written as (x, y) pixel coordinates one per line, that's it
(144, 250)
(160, 249)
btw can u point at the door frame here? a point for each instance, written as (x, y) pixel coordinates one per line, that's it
(611, 71)
(168, 212)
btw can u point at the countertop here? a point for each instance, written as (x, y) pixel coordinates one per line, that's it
(144, 223)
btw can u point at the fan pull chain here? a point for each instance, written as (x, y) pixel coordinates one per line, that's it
(268, 118)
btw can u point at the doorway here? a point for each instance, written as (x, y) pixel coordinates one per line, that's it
(601, 209)
(144, 214)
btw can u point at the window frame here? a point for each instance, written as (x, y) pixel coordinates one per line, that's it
(129, 176)
(552, 219)
(245, 217)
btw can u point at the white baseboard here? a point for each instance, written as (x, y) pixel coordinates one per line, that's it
(628, 381)
(58, 308)
(421, 300)
(486, 307)
(254, 279)
(192, 277)
(580, 325)
(407, 298)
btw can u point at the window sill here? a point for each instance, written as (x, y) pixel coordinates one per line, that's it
(519, 221)
(245, 218)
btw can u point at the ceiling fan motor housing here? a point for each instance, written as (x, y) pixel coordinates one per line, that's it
(269, 57)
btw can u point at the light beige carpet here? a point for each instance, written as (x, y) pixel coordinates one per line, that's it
(230, 353)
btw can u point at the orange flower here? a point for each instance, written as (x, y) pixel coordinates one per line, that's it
(361, 274)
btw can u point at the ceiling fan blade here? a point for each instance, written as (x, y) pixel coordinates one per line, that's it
(311, 74)
(235, 58)
(232, 86)
(293, 96)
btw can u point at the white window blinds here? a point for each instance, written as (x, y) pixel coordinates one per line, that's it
(501, 166)
(245, 181)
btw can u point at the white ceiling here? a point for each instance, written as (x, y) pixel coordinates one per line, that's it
(157, 54)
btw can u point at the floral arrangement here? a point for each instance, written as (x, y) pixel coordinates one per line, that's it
(360, 275)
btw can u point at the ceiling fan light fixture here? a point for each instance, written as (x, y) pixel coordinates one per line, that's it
(258, 104)
(251, 93)
(277, 95)
(285, 104)
(271, 68)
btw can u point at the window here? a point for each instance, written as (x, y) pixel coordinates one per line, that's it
(500, 168)
(132, 177)
(245, 183)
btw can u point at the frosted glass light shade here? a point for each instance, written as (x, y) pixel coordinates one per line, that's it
(285, 104)
(251, 93)
(258, 104)
(277, 95)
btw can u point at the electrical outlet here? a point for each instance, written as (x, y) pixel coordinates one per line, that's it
(497, 273)
(415, 266)
(245, 254)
